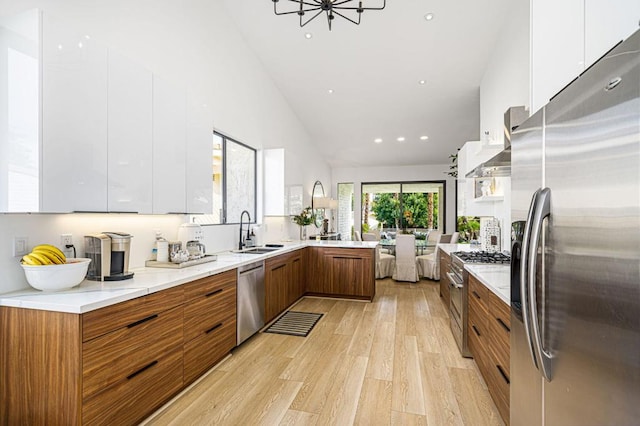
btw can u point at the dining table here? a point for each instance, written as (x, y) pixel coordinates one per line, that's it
(421, 245)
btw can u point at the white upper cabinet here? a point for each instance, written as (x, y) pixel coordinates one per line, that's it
(74, 120)
(169, 147)
(130, 136)
(557, 47)
(607, 23)
(568, 36)
(199, 173)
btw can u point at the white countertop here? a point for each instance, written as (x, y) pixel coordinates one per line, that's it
(450, 248)
(91, 295)
(496, 278)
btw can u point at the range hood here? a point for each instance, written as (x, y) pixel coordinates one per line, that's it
(500, 164)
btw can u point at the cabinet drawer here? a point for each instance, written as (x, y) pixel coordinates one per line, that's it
(112, 357)
(500, 333)
(498, 384)
(138, 395)
(208, 285)
(105, 320)
(478, 293)
(203, 352)
(477, 346)
(206, 311)
(478, 315)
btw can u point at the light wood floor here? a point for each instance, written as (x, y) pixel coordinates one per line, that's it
(390, 362)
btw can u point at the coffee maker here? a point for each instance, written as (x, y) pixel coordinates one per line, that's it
(109, 254)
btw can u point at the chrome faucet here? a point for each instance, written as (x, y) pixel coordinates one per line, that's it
(240, 242)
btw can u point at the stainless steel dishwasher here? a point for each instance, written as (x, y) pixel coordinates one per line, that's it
(250, 300)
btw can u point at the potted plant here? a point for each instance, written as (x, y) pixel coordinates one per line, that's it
(303, 219)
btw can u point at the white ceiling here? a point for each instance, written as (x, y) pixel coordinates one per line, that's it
(374, 70)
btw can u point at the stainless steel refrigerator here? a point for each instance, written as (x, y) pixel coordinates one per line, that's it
(575, 272)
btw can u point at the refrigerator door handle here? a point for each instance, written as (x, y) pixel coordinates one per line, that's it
(524, 276)
(542, 211)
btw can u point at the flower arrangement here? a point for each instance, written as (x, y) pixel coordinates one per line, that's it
(304, 218)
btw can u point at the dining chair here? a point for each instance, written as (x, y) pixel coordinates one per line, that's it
(432, 240)
(369, 236)
(405, 269)
(356, 236)
(454, 238)
(428, 265)
(385, 264)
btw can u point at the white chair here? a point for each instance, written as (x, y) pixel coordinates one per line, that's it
(369, 236)
(432, 241)
(454, 238)
(356, 236)
(406, 269)
(429, 265)
(385, 264)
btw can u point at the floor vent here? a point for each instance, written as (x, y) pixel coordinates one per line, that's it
(295, 323)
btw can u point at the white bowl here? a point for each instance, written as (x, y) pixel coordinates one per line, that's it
(57, 277)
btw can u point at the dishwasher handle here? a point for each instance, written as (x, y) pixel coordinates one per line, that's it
(245, 269)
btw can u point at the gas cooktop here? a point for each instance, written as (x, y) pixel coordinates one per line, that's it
(482, 257)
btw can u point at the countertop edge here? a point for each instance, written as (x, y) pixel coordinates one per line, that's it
(482, 272)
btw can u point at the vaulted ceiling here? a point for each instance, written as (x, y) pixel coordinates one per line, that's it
(374, 72)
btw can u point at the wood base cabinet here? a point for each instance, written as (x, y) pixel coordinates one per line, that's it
(489, 330)
(284, 282)
(114, 365)
(445, 263)
(341, 272)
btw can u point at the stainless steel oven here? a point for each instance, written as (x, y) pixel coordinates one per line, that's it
(458, 307)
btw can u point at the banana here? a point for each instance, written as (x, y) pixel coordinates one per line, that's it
(44, 260)
(27, 259)
(52, 248)
(50, 254)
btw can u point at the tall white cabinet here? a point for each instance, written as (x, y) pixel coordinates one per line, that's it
(74, 120)
(129, 145)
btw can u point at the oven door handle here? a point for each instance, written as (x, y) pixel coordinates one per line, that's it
(453, 282)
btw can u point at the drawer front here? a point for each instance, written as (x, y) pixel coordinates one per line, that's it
(105, 320)
(113, 357)
(205, 286)
(137, 396)
(477, 346)
(204, 312)
(478, 293)
(205, 351)
(498, 384)
(500, 333)
(478, 315)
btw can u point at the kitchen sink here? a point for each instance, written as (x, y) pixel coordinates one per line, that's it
(258, 250)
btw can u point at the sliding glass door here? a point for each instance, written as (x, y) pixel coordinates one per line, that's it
(408, 206)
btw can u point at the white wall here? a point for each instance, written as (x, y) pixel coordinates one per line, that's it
(194, 43)
(396, 174)
(505, 83)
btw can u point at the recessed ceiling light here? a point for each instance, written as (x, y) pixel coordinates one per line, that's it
(59, 47)
(80, 45)
(308, 35)
(424, 138)
(87, 37)
(378, 140)
(330, 91)
(400, 139)
(423, 82)
(428, 16)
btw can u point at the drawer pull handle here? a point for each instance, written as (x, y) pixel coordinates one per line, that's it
(214, 292)
(146, 367)
(475, 329)
(505, 326)
(213, 328)
(476, 294)
(143, 320)
(503, 374)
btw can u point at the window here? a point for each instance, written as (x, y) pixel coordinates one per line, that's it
(234, 181)
(413, 205)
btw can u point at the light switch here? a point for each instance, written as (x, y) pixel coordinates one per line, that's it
(20, 246)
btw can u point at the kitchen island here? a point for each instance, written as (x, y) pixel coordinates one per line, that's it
(114, 352)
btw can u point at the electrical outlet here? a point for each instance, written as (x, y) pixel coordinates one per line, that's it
(20, 246)
(66, 240)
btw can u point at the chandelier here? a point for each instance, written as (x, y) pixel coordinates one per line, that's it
(344, 8)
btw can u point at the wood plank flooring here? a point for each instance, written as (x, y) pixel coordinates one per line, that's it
(389, 362)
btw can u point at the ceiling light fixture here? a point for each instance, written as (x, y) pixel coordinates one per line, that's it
(331, 8)
(423, 82)
(378, 140)
(424, 138)
(308, 36)
(330, 91)
(400, 139)
(428, 16)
